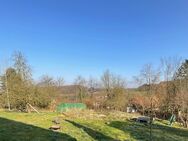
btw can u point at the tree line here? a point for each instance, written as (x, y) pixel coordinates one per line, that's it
(18, 89)
(163, 90)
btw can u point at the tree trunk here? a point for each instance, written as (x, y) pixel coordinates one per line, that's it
(184, 121)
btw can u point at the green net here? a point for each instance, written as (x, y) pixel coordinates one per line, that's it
(67, 106)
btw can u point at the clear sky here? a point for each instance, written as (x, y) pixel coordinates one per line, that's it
(72, 37)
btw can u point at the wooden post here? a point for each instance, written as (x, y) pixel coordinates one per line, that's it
(32, 108)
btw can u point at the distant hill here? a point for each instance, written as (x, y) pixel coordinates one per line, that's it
(68, 89)
(145, 87)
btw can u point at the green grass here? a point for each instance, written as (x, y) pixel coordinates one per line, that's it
(35, 127)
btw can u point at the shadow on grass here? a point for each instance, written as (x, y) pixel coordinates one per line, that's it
(16, 131)
(159, 132)
(94, 134)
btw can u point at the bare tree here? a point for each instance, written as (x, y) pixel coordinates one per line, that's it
(21, 66)
(150, 77)
(169, 67)
(107, 82)
(60, 81)
(46, 80)
(92, 84)
(80, 83)
(118, 81)
(114, 86)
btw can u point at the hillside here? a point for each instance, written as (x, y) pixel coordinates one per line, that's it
(83, 126)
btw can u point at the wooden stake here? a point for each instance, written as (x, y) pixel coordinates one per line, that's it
(33, 108)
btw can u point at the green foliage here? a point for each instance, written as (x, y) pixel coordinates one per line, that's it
(182, 72)
(18, 88)
(118, 99)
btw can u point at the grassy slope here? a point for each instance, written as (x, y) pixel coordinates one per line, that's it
(34, 127)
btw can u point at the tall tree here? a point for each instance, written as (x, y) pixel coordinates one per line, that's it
(114, 86)
(46, 81)
(150, 77)
(60, 81)
(14, 89)
(181, 79)
(21, 66)
(169, 67)
(92, 85)
(182, 73)
(107, 82)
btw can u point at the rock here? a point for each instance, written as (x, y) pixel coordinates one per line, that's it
(55, 127)
(56, 121)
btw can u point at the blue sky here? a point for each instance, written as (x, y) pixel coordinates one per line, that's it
(72, 37)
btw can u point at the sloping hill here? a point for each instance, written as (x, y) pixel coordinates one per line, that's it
(96, 127)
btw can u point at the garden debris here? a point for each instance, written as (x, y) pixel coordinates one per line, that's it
(143, 119)
(134, 119)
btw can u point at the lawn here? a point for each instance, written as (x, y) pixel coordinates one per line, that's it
(84, 126)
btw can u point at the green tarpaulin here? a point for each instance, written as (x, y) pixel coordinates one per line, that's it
(67, 106)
